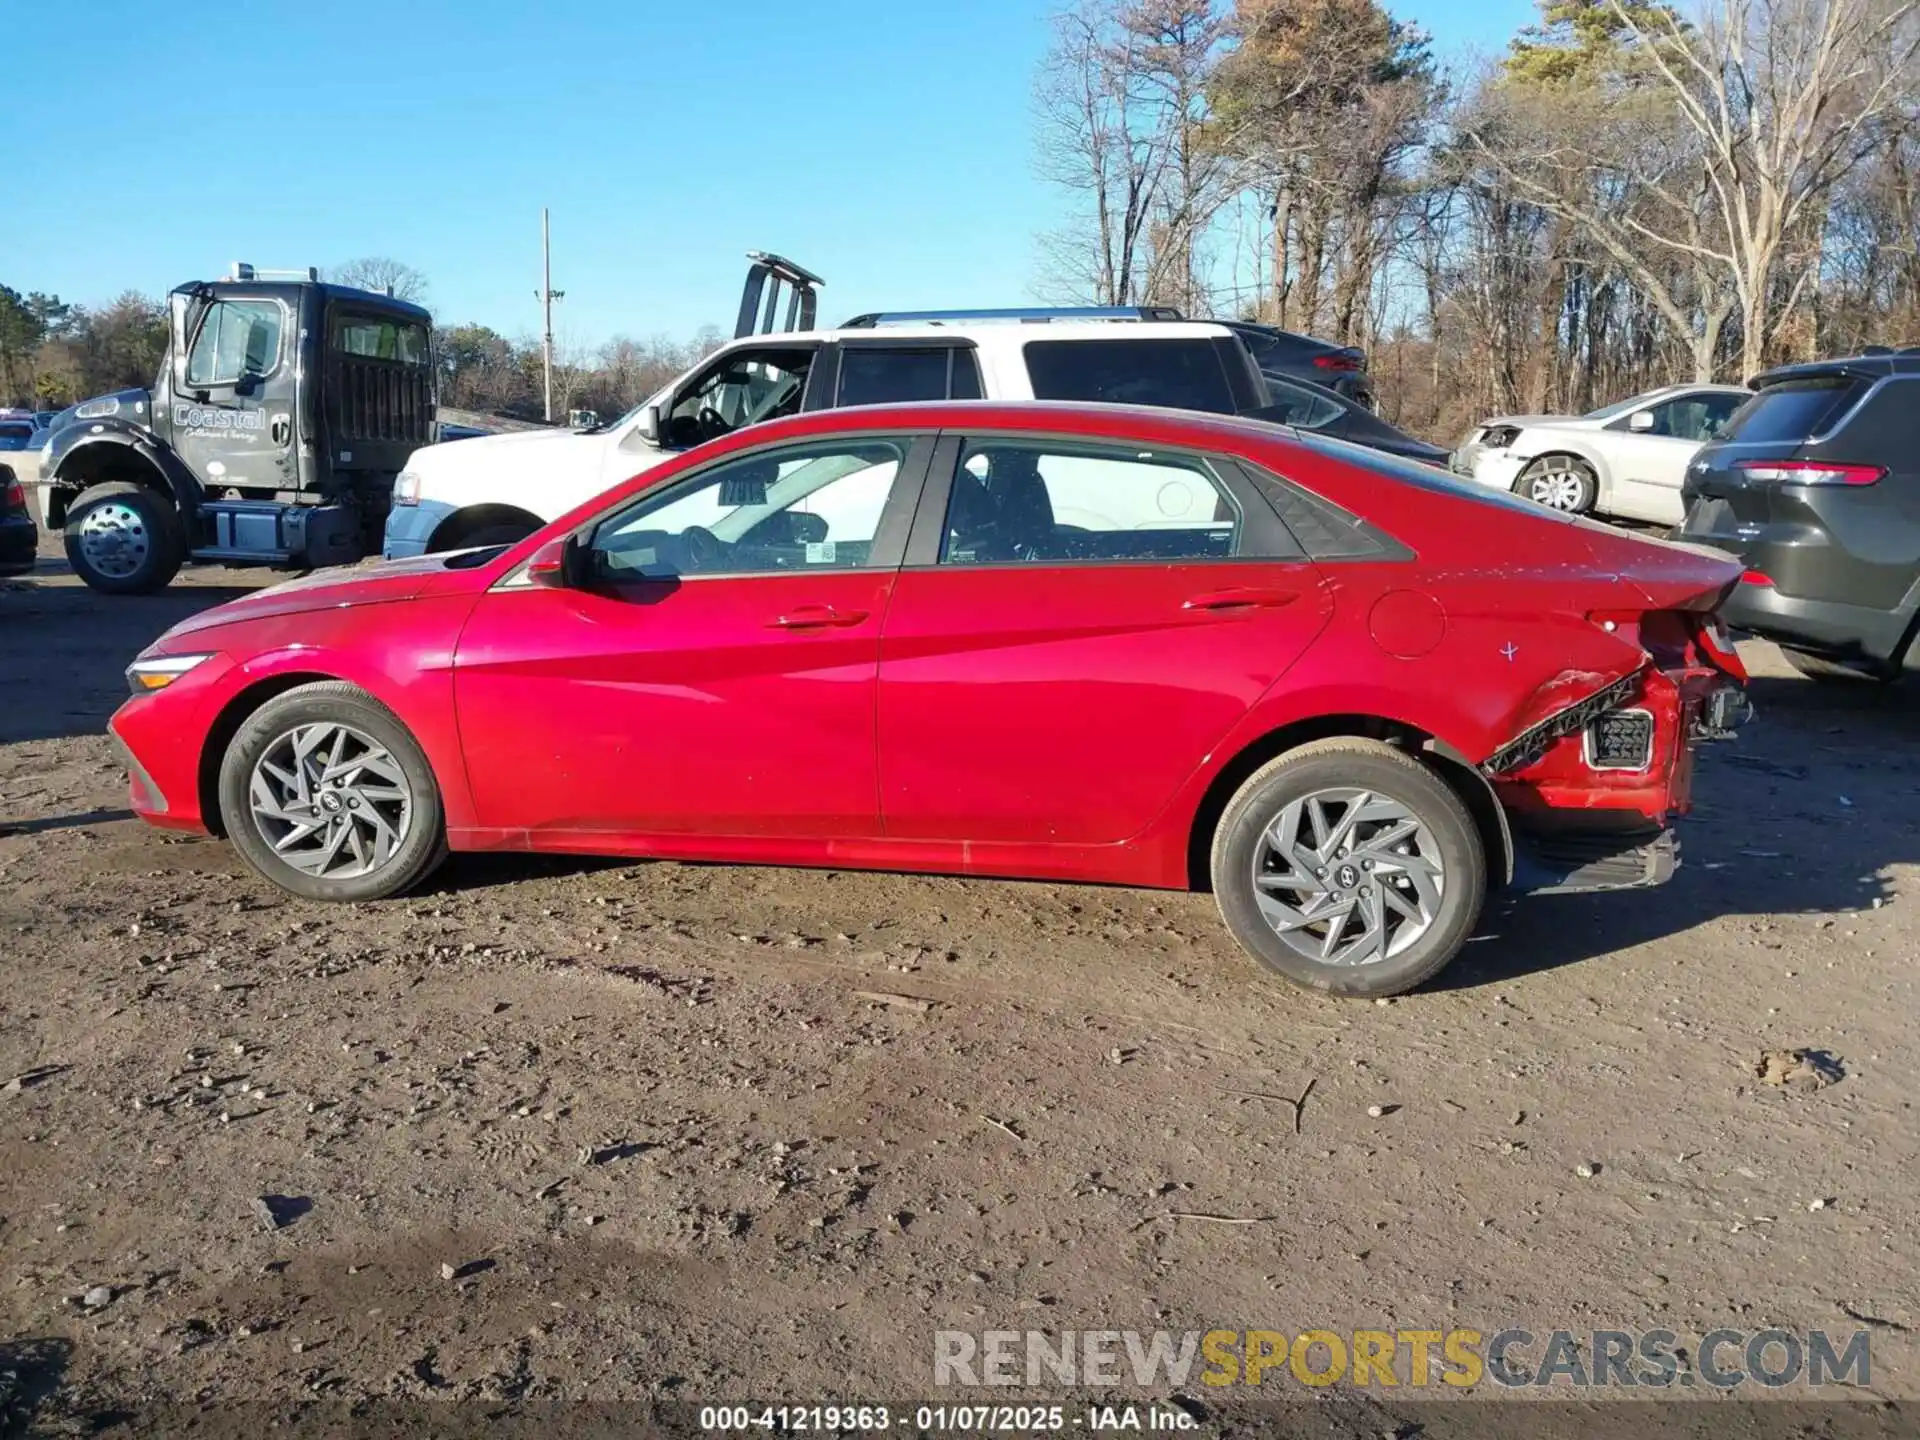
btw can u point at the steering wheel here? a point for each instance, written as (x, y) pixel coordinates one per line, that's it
(712, 423)
(703, 548)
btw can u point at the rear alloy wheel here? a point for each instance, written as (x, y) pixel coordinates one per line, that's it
(326, 794)
(1840, 672)
(1560, 482)
(124, 539)
(1348, 866)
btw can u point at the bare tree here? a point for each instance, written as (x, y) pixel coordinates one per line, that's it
(1120, 109)
(1698, 179)
(383, 275)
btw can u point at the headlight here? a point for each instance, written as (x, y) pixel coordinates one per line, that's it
(146, 676)
(97, 409)
(406, 488)
(1499, 437)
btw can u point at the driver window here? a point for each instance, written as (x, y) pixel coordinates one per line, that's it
(237, 337)
(814, 507)
(744, 388)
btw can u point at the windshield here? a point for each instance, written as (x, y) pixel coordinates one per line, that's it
(1619, 407)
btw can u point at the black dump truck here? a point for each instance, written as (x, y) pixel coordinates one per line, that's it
(282, 412)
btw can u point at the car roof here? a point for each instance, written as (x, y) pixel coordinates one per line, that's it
(1893, 362)
(1189, 428)
(998, 334)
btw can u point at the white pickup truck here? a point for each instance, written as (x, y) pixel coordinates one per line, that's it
(501, 488)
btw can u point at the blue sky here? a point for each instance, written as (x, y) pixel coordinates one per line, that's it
(886, 144)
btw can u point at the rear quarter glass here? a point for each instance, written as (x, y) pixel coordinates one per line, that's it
(1794, 411)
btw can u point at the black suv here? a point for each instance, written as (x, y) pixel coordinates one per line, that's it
(1814, 484)
(1283, 355)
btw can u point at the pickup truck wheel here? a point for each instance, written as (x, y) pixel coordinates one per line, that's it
(124, 539)
(1818, 667)
(1560, 482)
(326, 794)
(1348, 866)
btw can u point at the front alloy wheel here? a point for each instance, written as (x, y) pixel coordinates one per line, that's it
(331, 801)
(1560, 482)
(1347, 865)
(325, 793)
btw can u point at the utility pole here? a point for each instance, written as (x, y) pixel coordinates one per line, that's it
(547, 295)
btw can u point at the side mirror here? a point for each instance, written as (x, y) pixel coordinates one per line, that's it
(1641, 421)
(650, 424)
(553, 565)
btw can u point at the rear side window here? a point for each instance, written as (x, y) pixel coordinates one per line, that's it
(380, 339)
(1057, 502)
(1794, 410)
(1170, 374)
(884, 375)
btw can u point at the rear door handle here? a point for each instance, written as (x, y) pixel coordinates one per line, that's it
(817, 617)
(1241, 600)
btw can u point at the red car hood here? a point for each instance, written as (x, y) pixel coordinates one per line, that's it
(373, 583)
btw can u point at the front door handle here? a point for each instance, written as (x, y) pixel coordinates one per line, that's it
(817, 617)
(1241, 600)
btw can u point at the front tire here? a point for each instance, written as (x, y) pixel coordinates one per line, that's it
(124, 539)
(326, 794)
(1560, 482)
(1348, 866)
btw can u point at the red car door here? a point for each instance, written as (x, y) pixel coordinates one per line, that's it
(1072, 636)
(715, 672)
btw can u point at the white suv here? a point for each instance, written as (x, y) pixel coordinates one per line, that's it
(500, 488)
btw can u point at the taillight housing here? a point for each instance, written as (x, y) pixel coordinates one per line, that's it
(1810, 472)
(1337, 360)
(13, 495)
(1499, 437)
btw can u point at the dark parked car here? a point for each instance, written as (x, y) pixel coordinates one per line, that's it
(1307, 406)
(16, 434)
(1283, 355)
(1815, 485)
(19, 537)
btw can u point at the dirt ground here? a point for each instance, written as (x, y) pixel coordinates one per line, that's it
(555, 1132)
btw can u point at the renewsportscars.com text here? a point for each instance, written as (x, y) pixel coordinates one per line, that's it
(1459, 1358)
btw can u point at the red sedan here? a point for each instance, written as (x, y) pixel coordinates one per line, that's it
(1082, 643)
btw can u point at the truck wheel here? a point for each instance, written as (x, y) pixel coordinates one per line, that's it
(124, 539)
(326, 794)
(1853, 672)
(1348, 866)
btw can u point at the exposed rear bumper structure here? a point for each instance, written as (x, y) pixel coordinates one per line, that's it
(1578, 862)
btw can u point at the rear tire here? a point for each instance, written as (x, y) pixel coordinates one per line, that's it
(1840, 672)
(124, 539)
(1406, 832)
(326, 794)
(1560, 482)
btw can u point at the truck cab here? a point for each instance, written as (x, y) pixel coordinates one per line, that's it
(283, 410)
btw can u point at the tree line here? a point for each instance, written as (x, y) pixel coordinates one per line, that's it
(1635, 192)
(54, 354)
